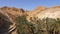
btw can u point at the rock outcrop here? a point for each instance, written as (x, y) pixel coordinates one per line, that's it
(52, 12)
(7, 21)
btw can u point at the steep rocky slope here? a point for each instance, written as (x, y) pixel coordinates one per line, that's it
(7, 21)
(41, 22)
(12, 11)
(36, 10)
(53, 12)
(43, 12)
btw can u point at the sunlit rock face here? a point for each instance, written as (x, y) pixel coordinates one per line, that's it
(50, 13)
(36, 10)
(42, 12)
(12, 11)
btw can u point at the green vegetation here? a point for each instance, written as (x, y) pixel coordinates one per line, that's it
(38, 26)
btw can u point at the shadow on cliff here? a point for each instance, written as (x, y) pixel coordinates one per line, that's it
(4, 24)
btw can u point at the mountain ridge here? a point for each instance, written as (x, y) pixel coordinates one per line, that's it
(11, 13)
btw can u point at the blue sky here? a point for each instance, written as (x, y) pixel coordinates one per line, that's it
(29, 4)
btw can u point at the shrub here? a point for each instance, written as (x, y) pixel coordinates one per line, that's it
(38, 26)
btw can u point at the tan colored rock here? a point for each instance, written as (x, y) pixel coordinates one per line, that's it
(37, 10)
(50, 12)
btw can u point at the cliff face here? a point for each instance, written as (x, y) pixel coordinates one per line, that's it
(52, 12)
(37, 10)
(43, 12)
(7, 19)
(12, 11)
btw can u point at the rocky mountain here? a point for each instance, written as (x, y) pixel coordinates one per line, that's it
(52, 12)
(42, 12)
(36, 10)
(8, 16)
